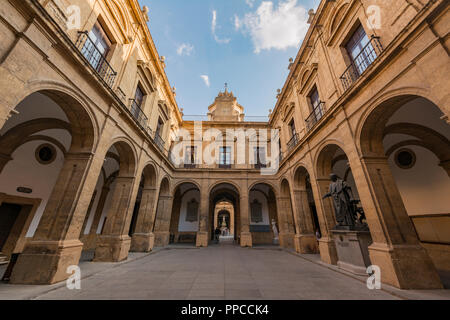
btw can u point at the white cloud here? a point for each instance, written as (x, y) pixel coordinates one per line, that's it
(275, 28)
(185, 48)
(205, 79)
(213, 29)
(250, 3)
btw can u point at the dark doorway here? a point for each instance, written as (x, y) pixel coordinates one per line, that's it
(8, 215)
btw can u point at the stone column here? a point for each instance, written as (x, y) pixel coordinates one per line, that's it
(404, 263)
(246, 236)
(56, 244)
(305, 240)
(202, 234)
(325, 211)
(162, 222)
(114, 243)
(284, 212)
(143, 238)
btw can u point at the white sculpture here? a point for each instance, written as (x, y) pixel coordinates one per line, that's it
(275, 232)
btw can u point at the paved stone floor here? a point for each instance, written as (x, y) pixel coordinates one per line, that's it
(216, 272)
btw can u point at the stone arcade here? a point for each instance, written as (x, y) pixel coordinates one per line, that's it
(87, 130)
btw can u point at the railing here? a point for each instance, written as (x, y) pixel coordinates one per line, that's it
(224, 166)
(259, 165)
(95, 58)
(159, 141)
(138, 114)
(190, 165)
(359, 64)
(293, 142)
(315, 116)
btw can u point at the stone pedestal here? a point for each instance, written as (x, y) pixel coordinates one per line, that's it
(286, 239)
(352, 250)
(246, 239)
(161, 238)
(305, 243)
(46, 262)
(202, 239)
(142, 242)
(112, 248)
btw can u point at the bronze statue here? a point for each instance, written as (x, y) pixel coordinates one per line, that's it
(344, 206)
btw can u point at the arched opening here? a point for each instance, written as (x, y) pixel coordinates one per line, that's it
(142, 238)
(265, 221)
(45, 149)
(406, 151)
(308, 220)
(113, 243)
(336, 212)
(185, 214)
(161, 227)
(224, 198)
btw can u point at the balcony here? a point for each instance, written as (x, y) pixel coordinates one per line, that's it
(138, 114)
(159, 141)
(95, 58)
(225, 166)
(293, 142)
(315, 116)
(190, 165)
(359, 64)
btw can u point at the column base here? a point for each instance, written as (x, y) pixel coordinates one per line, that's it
(286, 240)
(246, 239)
(328, 253)
(46, 262)
(112, 248)
(305, 243)
(142, 242)
(89, 241)
(405, 266)
(161, 238)
(201, 239)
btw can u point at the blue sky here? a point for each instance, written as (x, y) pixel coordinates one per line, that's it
(246, 43)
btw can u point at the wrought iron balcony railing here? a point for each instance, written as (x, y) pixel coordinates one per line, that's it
(293, 142)
(138, 114)
(359, 64)
(95, 58)
(225, 166)
(159, 141)
(315, 116)
(190, 165)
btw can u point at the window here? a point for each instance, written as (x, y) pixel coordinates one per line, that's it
(316, 104)
(292, 128)
(256, 211)
(159, 127)
(189, 157)
(360, 50)
(139, 96)
(192, 211)
(97, 48)
(225, 156)
(259, 157)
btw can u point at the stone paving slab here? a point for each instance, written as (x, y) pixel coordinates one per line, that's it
(216, 272)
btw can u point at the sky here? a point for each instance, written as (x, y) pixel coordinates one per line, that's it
(244, 43)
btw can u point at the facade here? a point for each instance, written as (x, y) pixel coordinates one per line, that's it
(95, 153)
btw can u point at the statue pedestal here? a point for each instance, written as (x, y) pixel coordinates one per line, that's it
(352, 250)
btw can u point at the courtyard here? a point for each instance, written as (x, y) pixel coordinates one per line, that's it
(219, 272)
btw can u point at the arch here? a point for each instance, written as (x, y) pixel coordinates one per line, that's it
(84, 124)
(300, 175)
(164, 189)
(184, 181)
(150, 175)
(391, 102)
(224, 182)
(267, 183)
(325, 160)
(127, 156)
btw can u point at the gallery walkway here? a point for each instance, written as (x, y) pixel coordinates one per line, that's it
(215, 272)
